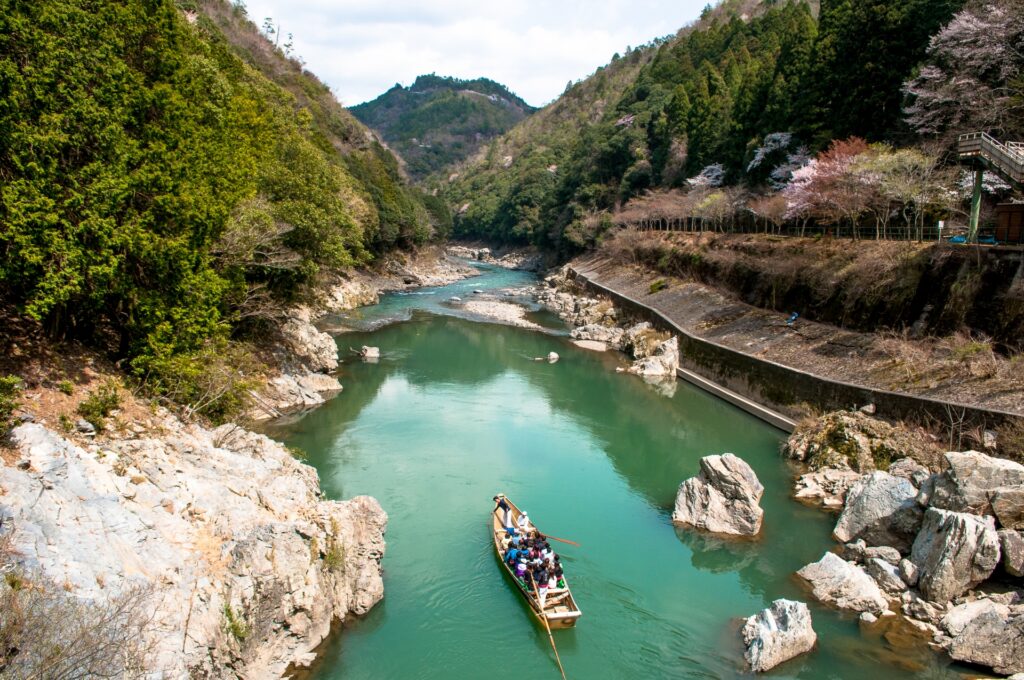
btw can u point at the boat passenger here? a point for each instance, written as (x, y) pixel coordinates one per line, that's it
(520, 568)
(517, 538)
(524, 523)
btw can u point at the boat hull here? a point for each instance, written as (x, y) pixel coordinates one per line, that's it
(564, 614)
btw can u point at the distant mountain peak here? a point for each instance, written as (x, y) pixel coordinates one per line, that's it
(439, 121)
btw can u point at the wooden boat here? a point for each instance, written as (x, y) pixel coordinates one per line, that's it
(560, 609)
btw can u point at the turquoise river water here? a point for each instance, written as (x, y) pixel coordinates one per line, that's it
(457, 411)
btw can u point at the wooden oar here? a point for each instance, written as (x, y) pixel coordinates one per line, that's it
(547, 626)
(561, 540)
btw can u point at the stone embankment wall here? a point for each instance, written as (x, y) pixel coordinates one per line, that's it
(780, 387)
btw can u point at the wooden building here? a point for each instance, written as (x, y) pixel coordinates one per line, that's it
(1010, 223)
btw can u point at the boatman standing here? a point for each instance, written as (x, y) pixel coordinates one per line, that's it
(506, 510)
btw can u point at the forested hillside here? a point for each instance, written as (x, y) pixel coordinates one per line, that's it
(439, 121)
(745, 97)
(171, 180)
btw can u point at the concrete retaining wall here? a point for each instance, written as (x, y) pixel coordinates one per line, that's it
(788, 390)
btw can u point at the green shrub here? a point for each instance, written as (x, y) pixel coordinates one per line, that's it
(10, 388)
(212, 381)
(67, 387)
(234, 625)
(97, 406)
(659, 285)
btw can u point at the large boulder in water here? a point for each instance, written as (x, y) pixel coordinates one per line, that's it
(882, 510)
(778, 634)
(843, 584)
(992, 640)
(954, 551)
(982, 485)
(722, 499)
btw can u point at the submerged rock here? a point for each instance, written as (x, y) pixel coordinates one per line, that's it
(982, 485)
(843, 584)
(778, 634)
(882, 510)
(722, 499)
(954, 551)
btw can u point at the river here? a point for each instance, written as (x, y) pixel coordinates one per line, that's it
(457, 411)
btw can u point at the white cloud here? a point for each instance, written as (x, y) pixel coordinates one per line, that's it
(361, 48)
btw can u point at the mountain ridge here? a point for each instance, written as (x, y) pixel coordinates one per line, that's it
(439, 121)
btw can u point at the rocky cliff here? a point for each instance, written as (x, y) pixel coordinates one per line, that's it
(245, 566)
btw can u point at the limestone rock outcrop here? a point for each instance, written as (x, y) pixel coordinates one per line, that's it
(954, 551)
(214, 521)
(778, 634)
(982, 485)
(663, 361)
(316, 350)
(843, 584)
(882, 510)
(722, 499)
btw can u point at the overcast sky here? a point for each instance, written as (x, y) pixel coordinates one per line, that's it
(363, 47)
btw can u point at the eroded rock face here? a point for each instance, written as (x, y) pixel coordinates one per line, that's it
(210, 520)
(316, 350)
(350, 294)
(954, 551)
(722, 499)
(882, 510)
(991, 640)
(982, 485)
(778, 634)
(843, 584)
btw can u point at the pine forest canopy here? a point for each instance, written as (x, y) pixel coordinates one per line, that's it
(169, 176)
(440, 121)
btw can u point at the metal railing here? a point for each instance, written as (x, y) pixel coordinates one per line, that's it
(1006, 158)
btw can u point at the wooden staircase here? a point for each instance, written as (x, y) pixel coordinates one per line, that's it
(1006, 160)
(986, 152)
